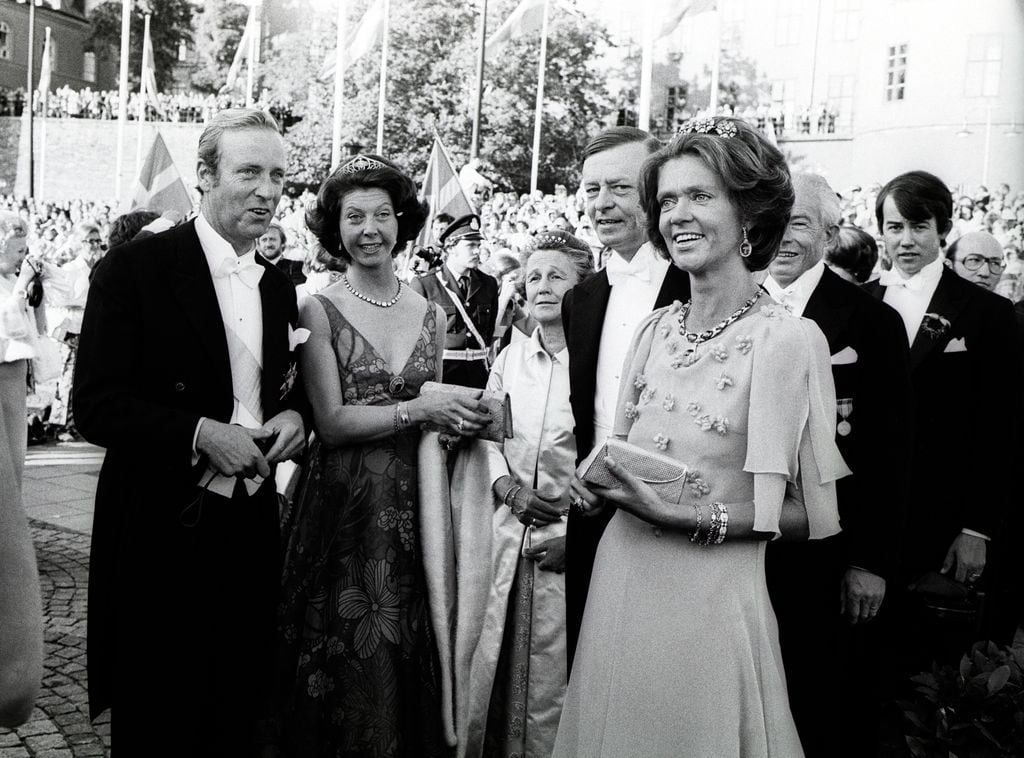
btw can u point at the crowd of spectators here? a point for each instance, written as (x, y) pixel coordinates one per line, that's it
(183, 107)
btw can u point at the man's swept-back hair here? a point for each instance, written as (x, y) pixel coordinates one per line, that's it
(230, 120)
(620, 135)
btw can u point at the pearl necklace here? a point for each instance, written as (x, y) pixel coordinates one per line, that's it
(696, 338)
(370, 300)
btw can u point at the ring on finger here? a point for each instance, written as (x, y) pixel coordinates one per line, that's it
(577, 503)
(461, 425)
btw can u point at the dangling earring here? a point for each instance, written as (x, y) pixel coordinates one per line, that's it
(745, 247)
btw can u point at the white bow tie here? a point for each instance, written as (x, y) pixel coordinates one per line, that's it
(249, 272)
(619, 269)
(892, 278)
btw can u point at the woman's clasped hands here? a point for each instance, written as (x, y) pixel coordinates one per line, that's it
(460, 416)
(632, 495)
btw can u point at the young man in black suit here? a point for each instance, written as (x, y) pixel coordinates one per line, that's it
(963, 342)
(827, 593)
(185, 376)
(600, 315)
(460, 288)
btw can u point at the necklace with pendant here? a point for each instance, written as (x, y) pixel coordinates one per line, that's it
(370, 300)
(697, 338)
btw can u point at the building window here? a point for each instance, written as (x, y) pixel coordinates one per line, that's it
(840, 103)
(89, 66)
(183, 51)
(5, 41)
(787, 22)
(896, 73)
(984, 61)
(846, 20)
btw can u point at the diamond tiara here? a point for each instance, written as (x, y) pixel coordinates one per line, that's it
(360, 163)
(720, 126)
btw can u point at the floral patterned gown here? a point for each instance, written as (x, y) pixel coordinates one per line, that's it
(359, 664)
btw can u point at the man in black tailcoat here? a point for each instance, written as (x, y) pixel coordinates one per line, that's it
(600, 315)
(827, 593)
(963, 346)
(185, 376)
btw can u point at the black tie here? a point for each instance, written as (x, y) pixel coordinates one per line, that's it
(463, 286)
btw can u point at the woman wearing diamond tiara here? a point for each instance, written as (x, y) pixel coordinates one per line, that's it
(358, 656)
(678, 653)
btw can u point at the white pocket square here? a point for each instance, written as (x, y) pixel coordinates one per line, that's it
(956, 346)
(845, 356)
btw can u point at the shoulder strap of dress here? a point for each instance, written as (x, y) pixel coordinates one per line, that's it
(335, 317)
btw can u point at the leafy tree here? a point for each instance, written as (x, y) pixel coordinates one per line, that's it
(171, 22)
(218, 28)
(431, 86)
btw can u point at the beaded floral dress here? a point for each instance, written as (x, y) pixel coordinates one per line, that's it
(359, 664)
(678, 653)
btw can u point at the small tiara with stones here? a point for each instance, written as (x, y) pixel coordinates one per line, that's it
(360, 163)
(719, 126)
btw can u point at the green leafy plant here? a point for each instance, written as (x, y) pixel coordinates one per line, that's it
(973, 711)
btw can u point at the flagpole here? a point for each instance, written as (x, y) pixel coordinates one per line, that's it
(31, 104)
(142, 97)
(339, 82)
(46, 109)
(382, 96)
(646, 66)
(716, 55)
(535, 162)
(254, 46)
(474, 145)
(122, 99)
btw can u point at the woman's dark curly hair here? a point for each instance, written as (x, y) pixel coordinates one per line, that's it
(753, 171)
(323, 217)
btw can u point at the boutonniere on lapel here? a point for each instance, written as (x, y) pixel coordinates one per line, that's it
(295, 338)
(935, 326)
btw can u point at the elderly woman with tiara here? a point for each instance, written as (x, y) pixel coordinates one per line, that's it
(358, 653)
(679, 653)
(518, 671)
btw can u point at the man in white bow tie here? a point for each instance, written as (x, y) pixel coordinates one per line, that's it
(600, 315)
(839, 714)
(184, 376)
(963, 339)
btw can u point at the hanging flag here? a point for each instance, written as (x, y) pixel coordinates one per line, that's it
(159, 187)
(361, 40)
(44, 70)
(678, 10)
(241, 52)
(147, 85)
(442, 189)
(527, 18)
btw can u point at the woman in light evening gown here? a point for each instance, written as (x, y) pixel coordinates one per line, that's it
(678, 653)
(359, 664)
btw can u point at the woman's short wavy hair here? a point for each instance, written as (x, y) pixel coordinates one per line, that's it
(324, 215)
(753, 171)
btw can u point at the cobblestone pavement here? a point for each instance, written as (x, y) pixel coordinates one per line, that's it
(59, 484)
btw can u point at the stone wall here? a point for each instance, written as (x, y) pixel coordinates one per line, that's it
(80, 156)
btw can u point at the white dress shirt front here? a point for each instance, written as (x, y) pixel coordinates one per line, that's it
(794, 297)
(241, 310)
(631, 299)
(910, 295)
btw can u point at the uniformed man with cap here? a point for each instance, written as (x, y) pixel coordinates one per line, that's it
(469, 298)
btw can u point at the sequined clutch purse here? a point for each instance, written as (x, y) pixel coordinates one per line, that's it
(499, 407)
(665, 475)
